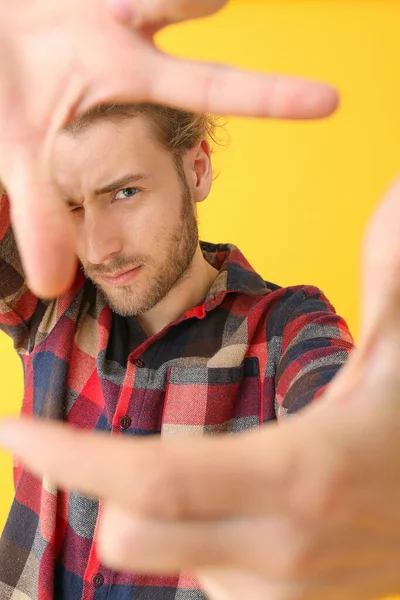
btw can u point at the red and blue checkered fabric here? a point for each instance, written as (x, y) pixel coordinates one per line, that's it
(250, 353)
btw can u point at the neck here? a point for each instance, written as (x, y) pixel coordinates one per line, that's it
(190, 291)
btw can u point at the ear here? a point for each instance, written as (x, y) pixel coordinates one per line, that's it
(201, 175)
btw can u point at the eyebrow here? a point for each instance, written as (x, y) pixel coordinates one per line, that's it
(113, 186)
(121, 182)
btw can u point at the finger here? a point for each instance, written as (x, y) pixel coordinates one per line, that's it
(377, 581)
(130, 542)
(41, 225)
(203, 87)
(236, 585)
(359, 383)
(127, 542)
(220, 89)
(381, 268)
(279, 547)
(173, 479)
(147, 13)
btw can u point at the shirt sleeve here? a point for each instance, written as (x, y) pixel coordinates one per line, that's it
(315, 343)
(20, 310)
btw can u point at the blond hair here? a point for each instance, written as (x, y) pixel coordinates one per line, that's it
(177, 130)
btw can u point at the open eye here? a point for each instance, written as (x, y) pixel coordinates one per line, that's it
(128, 192)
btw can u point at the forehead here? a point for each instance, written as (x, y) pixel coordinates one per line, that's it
(105, 149)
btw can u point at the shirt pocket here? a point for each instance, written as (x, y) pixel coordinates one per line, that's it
(203, 400)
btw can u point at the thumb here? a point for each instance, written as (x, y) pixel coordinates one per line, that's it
(155, 14)
(381, 265)
(41, 226)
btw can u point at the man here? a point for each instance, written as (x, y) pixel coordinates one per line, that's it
(161, 335)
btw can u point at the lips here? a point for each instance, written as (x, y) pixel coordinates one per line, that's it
(116, 275)
(121, 278)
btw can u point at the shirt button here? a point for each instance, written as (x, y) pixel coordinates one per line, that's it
(98, 580)
(139, 363)
(125, 422)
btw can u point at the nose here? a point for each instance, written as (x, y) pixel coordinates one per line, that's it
(102, 238)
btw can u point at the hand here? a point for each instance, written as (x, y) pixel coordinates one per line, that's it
(152, 15)
(58, 59)
(307, 509)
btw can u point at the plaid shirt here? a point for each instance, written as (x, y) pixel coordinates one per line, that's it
(251, 352)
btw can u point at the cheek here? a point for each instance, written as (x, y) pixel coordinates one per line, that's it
(154, 229)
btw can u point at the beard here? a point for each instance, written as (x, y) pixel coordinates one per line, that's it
(133, 300)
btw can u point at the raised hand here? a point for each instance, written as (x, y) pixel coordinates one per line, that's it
(58, 59)
(304, 510)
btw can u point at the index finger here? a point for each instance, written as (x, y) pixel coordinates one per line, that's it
(173, 479)
(216, 88)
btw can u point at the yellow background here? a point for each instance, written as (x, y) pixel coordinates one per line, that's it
(294, 197)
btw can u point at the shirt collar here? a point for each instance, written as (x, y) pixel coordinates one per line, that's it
(235, 274)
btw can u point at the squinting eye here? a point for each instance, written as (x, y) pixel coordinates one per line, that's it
(75, 209)
(126, 193)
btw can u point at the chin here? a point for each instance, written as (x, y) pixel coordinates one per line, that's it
(121, 306)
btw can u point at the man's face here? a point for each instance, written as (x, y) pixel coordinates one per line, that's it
(131, 210)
